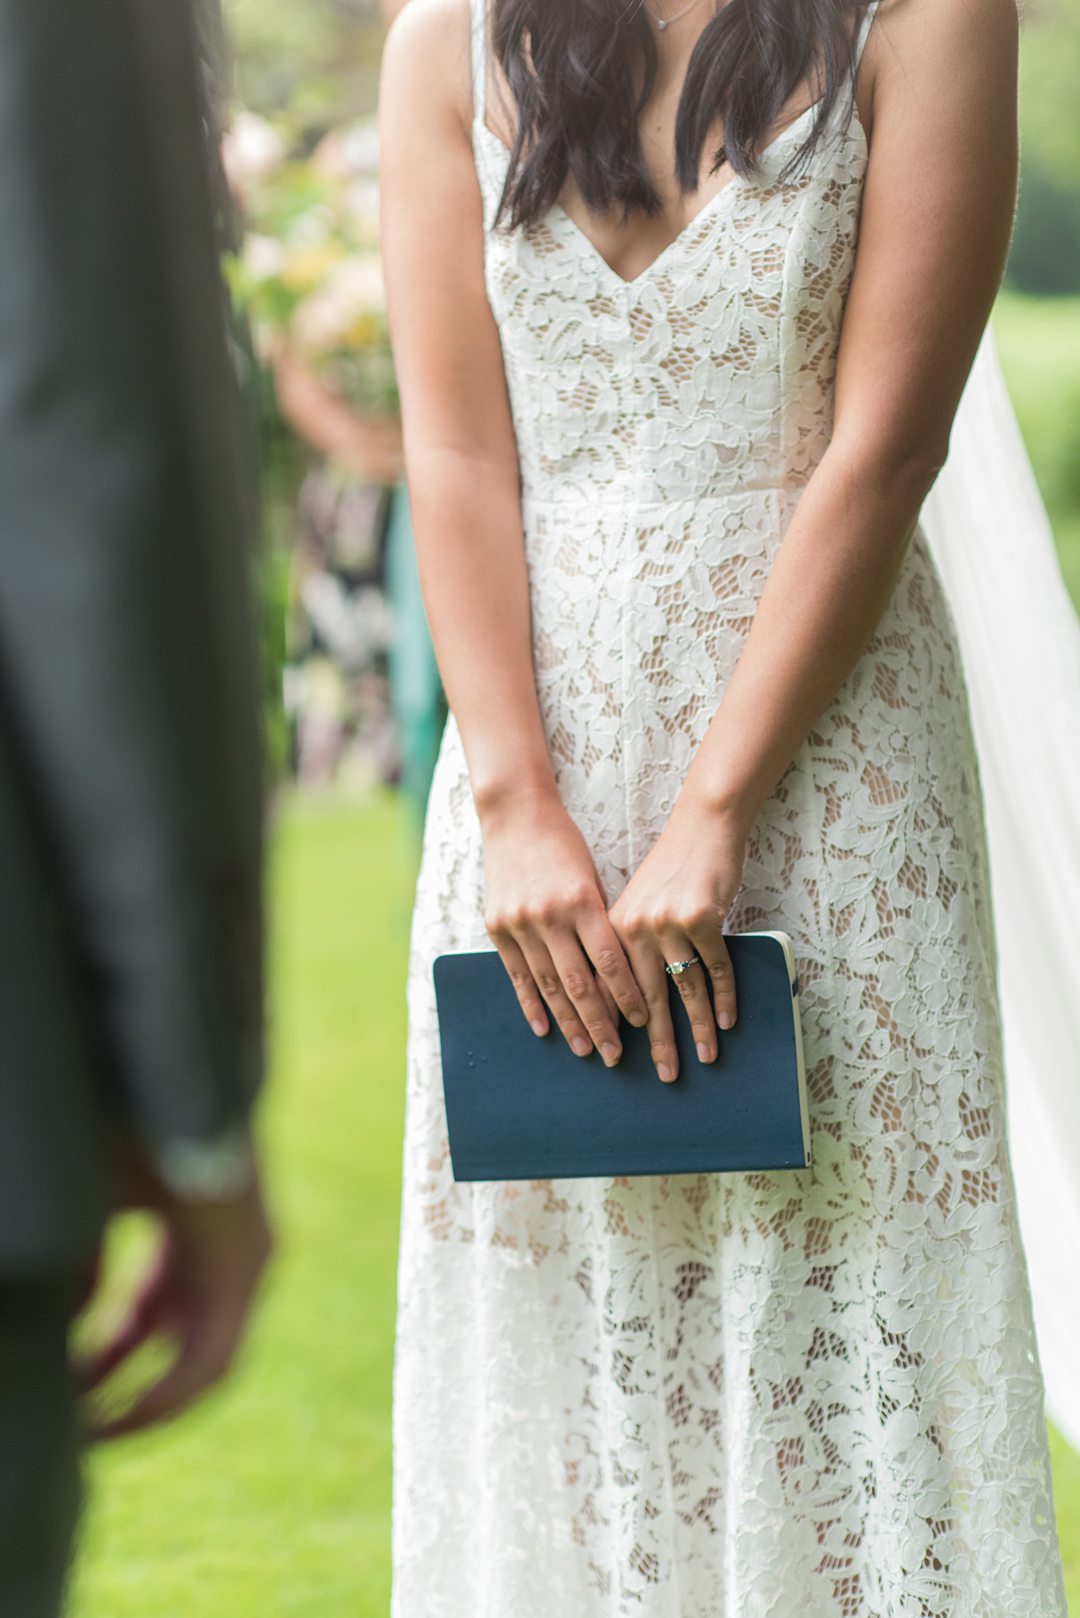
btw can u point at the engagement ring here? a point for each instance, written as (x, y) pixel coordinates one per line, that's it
(675, 969)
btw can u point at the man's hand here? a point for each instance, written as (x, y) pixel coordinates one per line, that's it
(199, 1290)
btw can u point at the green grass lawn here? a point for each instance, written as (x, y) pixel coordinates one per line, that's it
(272, 1499)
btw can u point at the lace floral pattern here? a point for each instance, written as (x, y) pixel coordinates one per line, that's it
(726, 1396)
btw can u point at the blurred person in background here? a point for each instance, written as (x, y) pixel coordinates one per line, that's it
(131, 812)
(363, 686)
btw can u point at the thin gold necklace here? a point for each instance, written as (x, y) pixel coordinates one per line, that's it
(665, 22)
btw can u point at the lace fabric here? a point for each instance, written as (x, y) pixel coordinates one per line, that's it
(726, 1396)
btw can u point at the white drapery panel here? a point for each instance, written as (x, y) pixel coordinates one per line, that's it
(1020, 637)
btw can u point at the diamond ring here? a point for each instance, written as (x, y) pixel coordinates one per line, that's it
(675, 969)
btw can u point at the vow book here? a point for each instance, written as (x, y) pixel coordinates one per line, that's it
(522, 1106)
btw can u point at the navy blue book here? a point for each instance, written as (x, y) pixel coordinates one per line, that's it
(523, 1107)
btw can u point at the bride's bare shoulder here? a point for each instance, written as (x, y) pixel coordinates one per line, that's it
(939, 63)
(426, 68)
(954, 35)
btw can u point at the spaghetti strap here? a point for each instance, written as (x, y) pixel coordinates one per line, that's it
(479, 42)
(864, 29)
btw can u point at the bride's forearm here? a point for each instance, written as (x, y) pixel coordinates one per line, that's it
(828, 588)
(471, 556)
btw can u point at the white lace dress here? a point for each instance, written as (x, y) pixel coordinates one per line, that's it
(745, 1395)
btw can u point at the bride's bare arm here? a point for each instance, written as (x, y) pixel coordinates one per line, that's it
(544, 908)
(937, 215)
(460, 451)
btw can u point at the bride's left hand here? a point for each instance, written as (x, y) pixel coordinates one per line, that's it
(672, 909)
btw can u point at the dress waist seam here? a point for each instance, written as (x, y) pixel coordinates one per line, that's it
(737, 493)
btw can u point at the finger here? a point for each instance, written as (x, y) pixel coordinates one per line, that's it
(547, 979)
(609, 1000)
(207, 1353)
(91, 1371)
(575, 970)
(613, 970)
(190, 1376)
(648, 964)
(708, 937)
(693, 992)
(143, 1319)
(529, 997)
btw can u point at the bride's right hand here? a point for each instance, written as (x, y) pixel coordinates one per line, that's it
(546, 914)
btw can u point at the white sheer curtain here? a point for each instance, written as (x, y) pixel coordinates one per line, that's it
(1020, 638)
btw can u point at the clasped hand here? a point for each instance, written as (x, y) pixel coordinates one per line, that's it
(574, 960)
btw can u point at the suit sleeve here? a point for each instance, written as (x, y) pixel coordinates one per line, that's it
(128, 645)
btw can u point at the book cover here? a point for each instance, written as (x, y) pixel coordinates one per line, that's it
(524, 1107)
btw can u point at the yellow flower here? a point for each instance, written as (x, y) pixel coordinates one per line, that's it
(305, 268)
(362, 333)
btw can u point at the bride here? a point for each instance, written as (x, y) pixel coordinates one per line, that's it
(684, 300)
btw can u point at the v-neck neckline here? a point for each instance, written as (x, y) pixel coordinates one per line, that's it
(701, 217)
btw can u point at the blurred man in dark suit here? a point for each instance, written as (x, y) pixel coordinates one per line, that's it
(131, 941)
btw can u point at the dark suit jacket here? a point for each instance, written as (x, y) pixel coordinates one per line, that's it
(130, 771)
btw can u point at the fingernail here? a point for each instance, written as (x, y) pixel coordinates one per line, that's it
(610, 1053)
(665, 1072)
(637, 1019)
(537, 1027)
(580, 1046)
(704, 1053)
(725, 1019)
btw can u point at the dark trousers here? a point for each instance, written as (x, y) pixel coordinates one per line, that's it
(39, 1450)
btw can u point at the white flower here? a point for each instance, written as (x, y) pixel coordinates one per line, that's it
(263, 257)
(251, 149)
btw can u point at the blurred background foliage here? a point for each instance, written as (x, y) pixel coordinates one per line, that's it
(314, 63)
(1046, 249)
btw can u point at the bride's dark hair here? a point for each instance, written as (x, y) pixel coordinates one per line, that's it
(570, 65)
